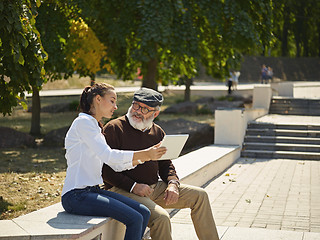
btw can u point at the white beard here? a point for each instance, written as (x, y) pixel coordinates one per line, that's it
(143, 125)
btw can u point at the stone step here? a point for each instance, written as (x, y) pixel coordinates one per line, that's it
(281, 147)
(281, 139)
(294, 100)
(294, 106)
(289, 110)
(258, 125)
(298, 105)
(283, 132)
(280, 155)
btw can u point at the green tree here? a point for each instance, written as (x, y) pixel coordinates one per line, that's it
(169, 39)
(85, 52)
(296, 26)
(21, 53)
(70, 44)
(53, 25)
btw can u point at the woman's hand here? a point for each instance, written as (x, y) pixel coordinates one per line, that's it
(155, 152)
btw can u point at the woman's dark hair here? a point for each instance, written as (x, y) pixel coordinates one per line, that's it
(89, 93)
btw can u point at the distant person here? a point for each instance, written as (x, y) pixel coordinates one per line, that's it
(87, 151)
(229, 82)
(269, 74)
(264, 74)
(235, 80)
(155, 183)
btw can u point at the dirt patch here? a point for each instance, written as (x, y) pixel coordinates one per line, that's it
(30, 179)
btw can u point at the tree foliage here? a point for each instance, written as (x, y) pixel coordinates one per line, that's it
(70, 44)
(296, 26)
(168, 39)
(54, 27)
(21, 53)
(85, 51)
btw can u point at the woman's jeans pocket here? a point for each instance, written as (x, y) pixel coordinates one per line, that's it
(73, 198)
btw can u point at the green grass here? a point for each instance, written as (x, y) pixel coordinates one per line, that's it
(4, 205)
(18, 207)
(76, 82)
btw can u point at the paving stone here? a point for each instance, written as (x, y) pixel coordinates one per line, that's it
(311, 236)
(259, 234)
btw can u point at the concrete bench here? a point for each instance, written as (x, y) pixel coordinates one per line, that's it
(54, 223)
(196, 168)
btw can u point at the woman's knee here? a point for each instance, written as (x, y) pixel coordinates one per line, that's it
(145, 212)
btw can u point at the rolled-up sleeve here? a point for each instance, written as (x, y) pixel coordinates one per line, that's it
(91, 135)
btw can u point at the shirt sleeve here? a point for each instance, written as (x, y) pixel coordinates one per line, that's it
(167, 171)
(89, 132)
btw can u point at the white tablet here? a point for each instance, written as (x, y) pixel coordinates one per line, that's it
(174, 145)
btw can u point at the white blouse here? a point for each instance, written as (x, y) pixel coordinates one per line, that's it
(86, 151)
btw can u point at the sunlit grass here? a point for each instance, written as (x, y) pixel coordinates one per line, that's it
(76, 82)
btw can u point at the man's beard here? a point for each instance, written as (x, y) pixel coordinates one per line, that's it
(144, 124)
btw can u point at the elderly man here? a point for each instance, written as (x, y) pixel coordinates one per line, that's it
(134, 131)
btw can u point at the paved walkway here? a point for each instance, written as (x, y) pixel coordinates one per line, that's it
(301, 89)
(263, 198)
(275, 194)
(201, 86)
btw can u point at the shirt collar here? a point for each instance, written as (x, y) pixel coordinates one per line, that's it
(82, 114)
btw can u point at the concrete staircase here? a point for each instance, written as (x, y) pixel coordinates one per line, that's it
(287, 141)
(265, 140)
(295, 106)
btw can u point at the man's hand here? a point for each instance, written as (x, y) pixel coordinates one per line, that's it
(142, 190)
(171, 195)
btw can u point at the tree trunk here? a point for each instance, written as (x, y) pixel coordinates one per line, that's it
(35, 119)
(149, 80)
(187, 92)
(92, 79)
(319, 39)
(285, 29)
(298, 46)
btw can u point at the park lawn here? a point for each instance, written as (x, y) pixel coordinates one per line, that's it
(32, 178)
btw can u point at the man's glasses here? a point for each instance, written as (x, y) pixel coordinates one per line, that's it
(144, 110)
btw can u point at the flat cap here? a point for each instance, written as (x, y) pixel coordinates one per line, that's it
(148, 96)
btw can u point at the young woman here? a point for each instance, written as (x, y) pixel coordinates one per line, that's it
(87, 150)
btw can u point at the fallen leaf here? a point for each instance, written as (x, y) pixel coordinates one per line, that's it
(24, 179)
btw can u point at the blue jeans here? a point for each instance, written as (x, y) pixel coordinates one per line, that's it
(93, 201)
